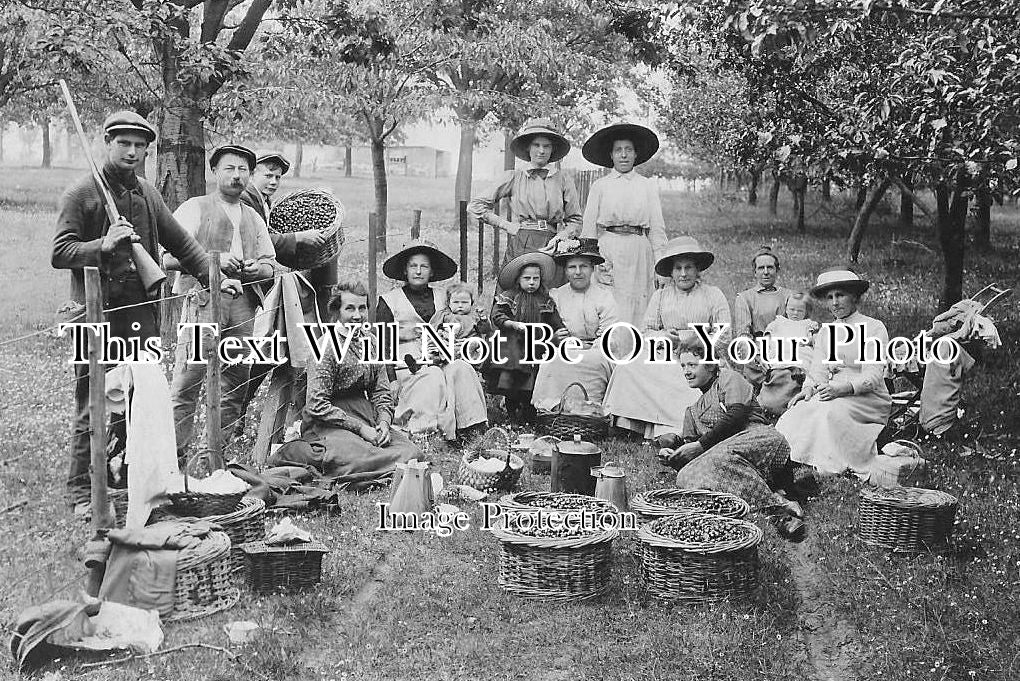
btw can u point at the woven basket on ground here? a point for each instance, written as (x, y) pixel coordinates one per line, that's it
(287, 568)
(660, 503)
(560, 501)
(205, 583)
(555, 569)
(908, 519)
(204, 504)
(246, 523)
(504, 479)
(311, 209)
(566, 426)
(699, 572)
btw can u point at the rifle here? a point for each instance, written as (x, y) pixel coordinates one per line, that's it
(150, 273)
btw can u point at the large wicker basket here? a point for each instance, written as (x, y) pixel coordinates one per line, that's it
(662, 503)
(205, 583)
(555, 569)
(502, 480)
(286, 216)
(204, 504)
(560, 501)
(282, 568)
(699, 572)
(566, 426)
(246, 523)
(909, 519)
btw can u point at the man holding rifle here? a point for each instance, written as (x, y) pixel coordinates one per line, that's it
(85, 237)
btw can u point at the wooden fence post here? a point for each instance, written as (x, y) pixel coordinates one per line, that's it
(213, 427)
(380, 236)
(97, 419)
(463, 240)
(495, 250)
(481, 253)
(416, 225)
(372, 256)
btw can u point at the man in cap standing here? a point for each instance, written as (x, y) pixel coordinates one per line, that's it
(220, 222)
(85, 238)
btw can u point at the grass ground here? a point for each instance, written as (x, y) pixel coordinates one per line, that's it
(415, 606)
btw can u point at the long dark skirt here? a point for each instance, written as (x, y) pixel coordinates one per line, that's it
(532, 240)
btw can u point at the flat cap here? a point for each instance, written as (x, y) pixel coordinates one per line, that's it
(243, 152)
(128, 121)
(274, 157)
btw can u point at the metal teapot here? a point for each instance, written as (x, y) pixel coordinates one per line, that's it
(611, 485)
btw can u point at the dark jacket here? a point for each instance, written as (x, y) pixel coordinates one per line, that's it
(82, 222)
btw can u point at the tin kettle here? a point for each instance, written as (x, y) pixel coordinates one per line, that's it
(611, 485)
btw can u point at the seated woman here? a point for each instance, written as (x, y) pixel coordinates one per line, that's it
(835, 419)
(728, 446)
(651, 399)
(587, 311)
(345, 426)
(430, 397)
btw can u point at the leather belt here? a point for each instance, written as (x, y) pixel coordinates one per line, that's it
(626, 229)
(539, 224)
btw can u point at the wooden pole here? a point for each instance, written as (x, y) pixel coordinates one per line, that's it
(495, 250)
(416, 225)
(372, 255)
(380, 235)
(101, 518)
(481, 254)
(462, 205)
(213, 427)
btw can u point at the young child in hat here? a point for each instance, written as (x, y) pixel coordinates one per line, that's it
(524, 300)
(795, 323)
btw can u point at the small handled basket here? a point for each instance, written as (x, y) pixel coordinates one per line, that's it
(559, 501)
(504, 479)
(311, 209)
(662, 503)
(908, 519)
(205, 582)
(555, 568)
(699, 572)
(566, 426)
(191, 504)
(287, 568)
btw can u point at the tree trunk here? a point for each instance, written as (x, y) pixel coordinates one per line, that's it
(982, 216)
(379, 176)
(862, 196)
(874, 195)
(180, 156)
(348, 160)
(907, 204)
(3, 129)
(752, 187)
(465, 158)
(299, 157)
(798, 187)
(47, 144)
(952, 215)
(774, 194)
(826, 190)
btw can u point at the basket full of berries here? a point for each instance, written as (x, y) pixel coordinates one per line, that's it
(696, 557)
(554, 555)
(559, 501)
(310, 209)
(661, 503)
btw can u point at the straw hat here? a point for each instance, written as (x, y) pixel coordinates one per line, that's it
(510, 271)
(533, 128)
(275, 157)
(587, 248)
(443, 266)
(686, 246)
(599, 147)
(236, 149)
(839, 277)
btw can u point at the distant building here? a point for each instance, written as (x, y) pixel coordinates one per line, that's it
(405, 161)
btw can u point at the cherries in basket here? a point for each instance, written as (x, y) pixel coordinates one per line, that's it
(700, 529)
(719, 505)
(309, 211)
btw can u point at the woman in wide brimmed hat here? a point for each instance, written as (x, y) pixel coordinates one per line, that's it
(651, 399)
(834, 421)
(587, 311)
(429, 396)
(624, 213)
(543, 200)
(524, 300)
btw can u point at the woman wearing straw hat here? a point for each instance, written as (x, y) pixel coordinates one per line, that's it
(588, 311)
(543, 200)
(650, 399)
(450, 397)
(525, 300)
(834, 421)
(624, 213)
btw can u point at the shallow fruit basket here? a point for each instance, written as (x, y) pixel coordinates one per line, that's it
(555, 568)
(697, 557)
(908, 519)
(311, 209)
(503, 479)
(560, 501)
(662, 503)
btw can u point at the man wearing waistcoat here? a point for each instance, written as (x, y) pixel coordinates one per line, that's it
(220, 222)
(85, 238)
